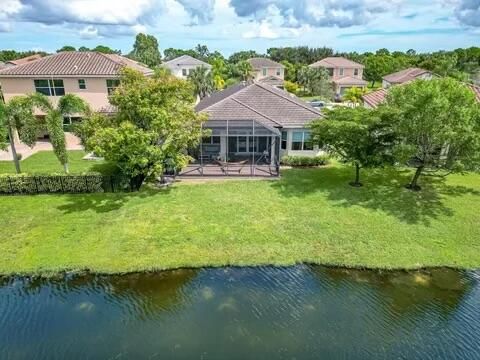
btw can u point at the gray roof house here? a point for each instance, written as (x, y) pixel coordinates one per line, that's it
(268, 71)
(252, 125)
(183, 65)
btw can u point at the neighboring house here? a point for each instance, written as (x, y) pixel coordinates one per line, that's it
(90, 75)
(344, 73)
(404, 76)
(375, 98)
(23, 60)
(183, 65)
(267, 71)
(257, 123)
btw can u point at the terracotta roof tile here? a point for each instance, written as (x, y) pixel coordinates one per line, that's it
(404, 76)
(349, 80)
(73, 63)
(25, 60)
(336, 61)
(261, 62)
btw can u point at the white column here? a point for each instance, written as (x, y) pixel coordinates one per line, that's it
(272, 150)
(223, 146)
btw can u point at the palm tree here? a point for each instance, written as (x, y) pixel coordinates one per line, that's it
(354, 95)
(202, 81)
(14, 116)
(219, 69)
(67, 106)
(245, 69)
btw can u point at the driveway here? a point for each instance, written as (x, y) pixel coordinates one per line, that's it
(73, 143)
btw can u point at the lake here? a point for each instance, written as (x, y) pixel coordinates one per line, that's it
(299, 312)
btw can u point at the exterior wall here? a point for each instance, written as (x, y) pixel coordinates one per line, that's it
(289, 152)
(178, 71)
(95, 94)
(270, 72)
(347, 72)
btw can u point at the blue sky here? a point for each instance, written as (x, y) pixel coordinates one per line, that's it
(232, 25)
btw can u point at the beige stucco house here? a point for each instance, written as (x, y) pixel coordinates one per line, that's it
(344, 73)
(267, 71)
(90, 75)
(405, 76)
(183, 65)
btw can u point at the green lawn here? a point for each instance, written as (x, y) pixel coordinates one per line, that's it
(45, 162)
(307, 216)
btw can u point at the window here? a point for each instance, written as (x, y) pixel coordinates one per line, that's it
(279, 72)
(112, 84)
(264, 71)
(50, 87)
(330, 71)
(82, 85)
(211, 140)
(301, 140)
(355, 72)
(342, 71)
(284, 140)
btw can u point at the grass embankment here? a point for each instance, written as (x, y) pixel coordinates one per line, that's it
(45, 162)
(307, 216)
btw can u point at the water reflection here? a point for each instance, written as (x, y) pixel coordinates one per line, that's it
(302, 312)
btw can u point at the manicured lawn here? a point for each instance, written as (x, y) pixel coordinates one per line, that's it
(45, 162)
(307, 216)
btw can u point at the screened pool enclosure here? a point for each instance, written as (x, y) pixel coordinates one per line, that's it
(236, 148)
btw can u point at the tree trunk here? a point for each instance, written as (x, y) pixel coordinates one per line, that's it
(357, 182)
(65, 168)
(414, 183)
(14, 150)
(136, 182)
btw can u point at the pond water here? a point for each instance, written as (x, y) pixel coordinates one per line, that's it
(300, 312)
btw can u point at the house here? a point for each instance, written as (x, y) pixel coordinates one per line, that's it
(344, 73)
(90, 75)
(375, 98)
(404, 76)
(23, 60)
(252, 126)
(183, 65)
(267, 71)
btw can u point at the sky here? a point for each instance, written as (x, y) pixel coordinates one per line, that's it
(233, 25)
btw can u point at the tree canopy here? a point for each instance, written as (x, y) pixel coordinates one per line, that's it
(438, 125)
(146, 51)
(202, 81)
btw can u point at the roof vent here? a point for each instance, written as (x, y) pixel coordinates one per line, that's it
(75, 67)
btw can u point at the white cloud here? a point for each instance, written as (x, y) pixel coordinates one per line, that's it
(89, 32)
(265, 30)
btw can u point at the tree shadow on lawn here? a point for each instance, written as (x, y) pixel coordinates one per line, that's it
(383, 190)
(105, 202)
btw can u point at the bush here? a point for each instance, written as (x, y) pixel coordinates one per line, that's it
(304, 161)
(291, 87)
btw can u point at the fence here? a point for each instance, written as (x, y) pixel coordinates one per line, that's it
(63, 184)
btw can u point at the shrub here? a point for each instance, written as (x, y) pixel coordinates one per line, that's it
(304, 161)
(291, 87)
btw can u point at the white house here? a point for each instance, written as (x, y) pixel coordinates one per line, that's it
(183, 65)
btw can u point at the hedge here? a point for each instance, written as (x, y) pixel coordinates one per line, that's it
(66, 184)
(304, 161)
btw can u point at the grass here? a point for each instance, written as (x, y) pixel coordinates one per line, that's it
(309, 215)
(45, 162)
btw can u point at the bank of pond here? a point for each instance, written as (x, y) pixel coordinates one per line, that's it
(301, 312)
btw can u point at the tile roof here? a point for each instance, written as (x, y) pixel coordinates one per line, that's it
(349, 80)
(265, 104)
(336, 61)
(404, 76)
(75, 63)
(272, 80)
(25, 60)
(185, 60)
(261, 62)
(375, 98)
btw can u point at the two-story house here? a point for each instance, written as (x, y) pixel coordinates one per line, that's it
(406, 75)
(90, 75)
(183, 65)
(344, 73)
(267, 71)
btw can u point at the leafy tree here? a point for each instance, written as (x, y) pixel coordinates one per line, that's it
(83, 48)
(67, 48)
(438, 125)
(376, 67)
(219, 72)
(67, 106)
(290, 71)
(145, 50)
(302, 55)
(291, 87)
(154, 125)
(354, 95)
(172, 53)
(245, 70)
(356, 135)
(315, 81)
(17, 116)
(202, 81)
(105, 50)
(237, 57)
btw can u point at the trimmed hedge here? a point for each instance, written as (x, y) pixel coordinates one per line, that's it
(66, 184)
(304, 161)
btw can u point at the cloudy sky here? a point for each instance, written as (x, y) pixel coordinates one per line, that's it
(231, 25)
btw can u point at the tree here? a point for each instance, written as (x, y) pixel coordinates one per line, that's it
(145, 50)
(354, 95)
(106, 50)
(290, 71)
(245, 69)
(202, 81)
(154, 125)
(357, 135)
(376, 67)
(219, 72)
(291, 87)
(67, 48)
(438, 125)
(18, 116)
(237, 57)
(67, 106)
(315, 81)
